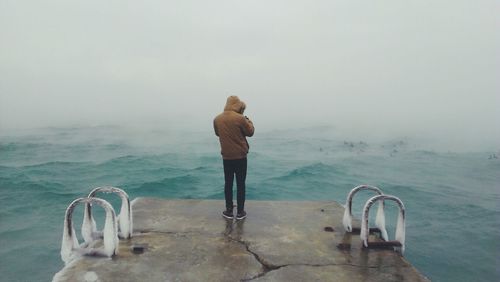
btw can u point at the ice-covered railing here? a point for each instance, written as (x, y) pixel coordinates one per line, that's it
(125, 226)
(400, 226)
(380, 218)
(70, 245)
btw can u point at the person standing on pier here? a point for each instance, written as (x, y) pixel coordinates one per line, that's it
(232, 128)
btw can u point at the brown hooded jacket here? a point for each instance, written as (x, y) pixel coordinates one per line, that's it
(232, 128)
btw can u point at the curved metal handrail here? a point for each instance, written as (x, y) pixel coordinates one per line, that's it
(70, 242)
(380, 218)
(125, 225)
(400, 226)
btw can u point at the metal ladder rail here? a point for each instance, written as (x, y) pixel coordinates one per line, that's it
(400, 226)
(125, 223)
(70, 244)
(380, 218)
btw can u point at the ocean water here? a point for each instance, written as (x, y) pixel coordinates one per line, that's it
(452, 198)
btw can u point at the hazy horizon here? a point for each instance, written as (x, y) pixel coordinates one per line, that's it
(417, 68)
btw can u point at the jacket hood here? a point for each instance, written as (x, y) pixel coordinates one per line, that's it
(235, 104)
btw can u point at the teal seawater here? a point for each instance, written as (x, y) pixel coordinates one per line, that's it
(452, 198)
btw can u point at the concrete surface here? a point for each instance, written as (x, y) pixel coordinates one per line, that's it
(188, 240)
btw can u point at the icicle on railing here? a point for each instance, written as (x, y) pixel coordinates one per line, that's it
(400, 226)
(380, 218)
(70, 245)
(125, 225)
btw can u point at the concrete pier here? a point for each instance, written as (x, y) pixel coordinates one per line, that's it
(188, 240)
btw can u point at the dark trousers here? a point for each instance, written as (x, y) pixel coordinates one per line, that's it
(232, 168)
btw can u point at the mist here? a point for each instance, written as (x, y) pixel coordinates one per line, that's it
(425, 69)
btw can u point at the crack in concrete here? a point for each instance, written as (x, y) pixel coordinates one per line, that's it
(265, 272)
(266, 266)
(176, 232)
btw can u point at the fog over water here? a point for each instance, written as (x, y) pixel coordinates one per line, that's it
(400, 94)
(424, 69)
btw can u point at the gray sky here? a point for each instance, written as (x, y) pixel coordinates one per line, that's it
(391, 66)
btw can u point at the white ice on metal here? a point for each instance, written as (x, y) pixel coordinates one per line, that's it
(125, 219)
(125, 223)
(400, 227)
(347, 220)
(89, 227)
(380, 218)
(363, 233)
(69, 242)
(70, 246)
(110, 233)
